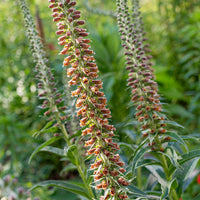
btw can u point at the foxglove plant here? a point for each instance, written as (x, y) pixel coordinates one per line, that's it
(47, 91)
(145, 97)
(141, 78)
(108, 167)
(53, 102)
(106, 173)
(91, 102)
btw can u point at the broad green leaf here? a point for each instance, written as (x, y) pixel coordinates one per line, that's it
(50, 130)
(134, 192)
(137, 149)
(146, 162)
(65, 185)
(190, 155)
(89, 176)
(55, 150)
(174, 124)
(190, 178)
(48, 142)
(160, 176)
(72, 154)
(37, 133)
(151, 183)
(183, 174)
(78, 133)
(186, 157)
(156, 193)
(82, 198)
(174, 184)
(127, 146)
(189, 137)
(178, 138)
(138, 156)
(172, 155)
(158, 173)
(69, 167)
(166, 190)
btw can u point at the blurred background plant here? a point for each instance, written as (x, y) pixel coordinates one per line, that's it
(173, 29)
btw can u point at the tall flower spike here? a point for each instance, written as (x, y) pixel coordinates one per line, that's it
(47, 91)
(141, 78)
(91, 102)
(73, 123)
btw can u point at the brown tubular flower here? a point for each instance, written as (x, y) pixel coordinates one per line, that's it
(91, 102)
(141, 78)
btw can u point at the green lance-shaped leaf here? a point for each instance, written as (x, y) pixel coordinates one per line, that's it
(77, 134)
(55, 150)
(135, 192)
(166, 190)
(138, 156)
(139, 152)
(184, 158)
(74, 187)
(137, 149)
(71, 154)
(68, 168)
(146, 162)
(172, 155)
(185, 174)
(127, 146)
(177, 138)
(48, 142)
(190, 137)
(189, 156)
(174, 124)
(43, 130)
(159, 175)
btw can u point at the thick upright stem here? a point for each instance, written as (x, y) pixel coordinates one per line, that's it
(66, 137)
(139, 178)
(85, 182)
(173, 195)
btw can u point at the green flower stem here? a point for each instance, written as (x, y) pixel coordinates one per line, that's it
(62, 126)
(139, 177)
(66, 137)
(85, 182)
(165, 167)
(65, 134)
(173, 194)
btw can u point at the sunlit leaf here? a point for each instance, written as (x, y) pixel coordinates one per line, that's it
(48, 142)
(176, 137)
(65, 185)
(55, 150)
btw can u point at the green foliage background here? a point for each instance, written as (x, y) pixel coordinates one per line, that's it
(173, 29)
